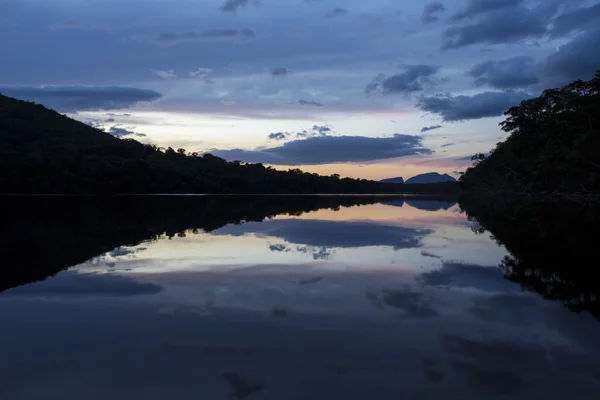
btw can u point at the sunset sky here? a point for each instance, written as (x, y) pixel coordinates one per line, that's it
(369, 89)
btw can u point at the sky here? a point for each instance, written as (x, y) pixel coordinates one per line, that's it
(375, 89)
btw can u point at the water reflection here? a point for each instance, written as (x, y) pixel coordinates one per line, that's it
(328, 297)
(552, 247)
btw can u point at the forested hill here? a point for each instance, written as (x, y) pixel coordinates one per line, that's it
(42, 151)
(553, 147)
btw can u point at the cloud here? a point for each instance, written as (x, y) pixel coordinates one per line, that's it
(316, 130)
(165, 74)
(482, 105)
(509, 25)
(75, 284)
(280, 71)
(431, 11)
(515, 72)
(233, 5)
(447, 145)
(577, 59)
(310, 103)
(461, 275)
(173, 38)
(477, 7)
(330, 149)
(278, 135)
(430, 128)
(109, 120)
(411, 80)
(122, 132)
(337, 12)
(413, 304)
(330, 234)
(82, 98)
(374, 85)
(200, 72)
(577, 20)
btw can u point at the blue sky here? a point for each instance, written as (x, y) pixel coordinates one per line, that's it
(365, 89)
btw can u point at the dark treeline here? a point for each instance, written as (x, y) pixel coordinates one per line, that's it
(553, 246)
(553, 147)
(42, 235)
(42, 151)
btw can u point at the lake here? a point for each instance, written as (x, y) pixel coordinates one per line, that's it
(296, 297)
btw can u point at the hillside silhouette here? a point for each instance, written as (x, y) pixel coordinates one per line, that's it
(42, 151)
(430, 177)
(553, 145)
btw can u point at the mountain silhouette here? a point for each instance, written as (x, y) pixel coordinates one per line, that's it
(431, 177)
(393, 180)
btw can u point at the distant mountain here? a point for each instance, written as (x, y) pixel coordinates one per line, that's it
(393, 180)
(431, 177)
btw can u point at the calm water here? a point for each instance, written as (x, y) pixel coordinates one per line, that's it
(399, 299)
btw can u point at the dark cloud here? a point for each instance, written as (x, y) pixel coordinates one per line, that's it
(374, 85)
(477, 7)
(310, 281)
(121, 251)
(171, 38)
(413, 304)
(461, 275)
(513, 308)
(577, 59)
(447, 145)
(75, 284)
(509, 25)
(515, 72)
(122, 132)
(81, 98)
(577, 20)
(413, 79)
(310, 103)
(371, 88)
(430, 128)
(431, 12)
(316, 130)
(330, 149)
(482, 105)
(280, 71)
(279, 248)
(428, 254)
(316, 252)
(318, 233)
(278, 135)
(337, 12)
(233, 5)
(109, 120)
(200, 72)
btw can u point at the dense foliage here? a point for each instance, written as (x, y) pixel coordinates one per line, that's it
(554, 144)
(42, 151)
(552, 246)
